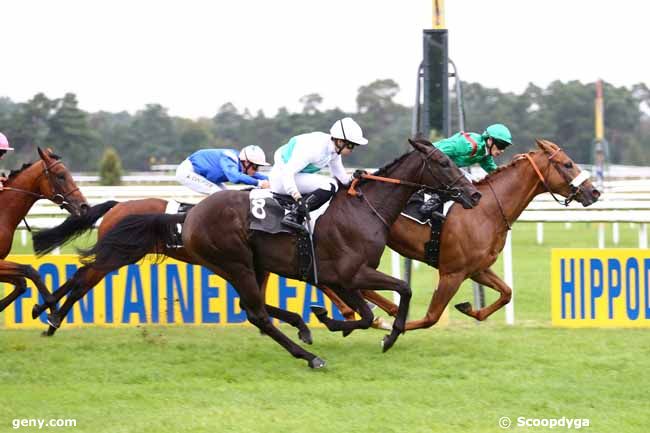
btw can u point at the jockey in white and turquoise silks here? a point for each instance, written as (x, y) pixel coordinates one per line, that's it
(205, 171)
(297, 163)
(468, 148)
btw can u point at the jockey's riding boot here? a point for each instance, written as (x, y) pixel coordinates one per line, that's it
(294, 219)
(431, 206)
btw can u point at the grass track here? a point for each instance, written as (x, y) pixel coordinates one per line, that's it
(462, 378)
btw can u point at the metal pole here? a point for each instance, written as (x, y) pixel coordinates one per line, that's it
(507, 276)
(415, 128)
(479, 290)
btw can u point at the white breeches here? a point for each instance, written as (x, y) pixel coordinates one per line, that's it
(305, 182)
(185, 175)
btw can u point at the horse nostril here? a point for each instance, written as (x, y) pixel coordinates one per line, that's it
(595, 194)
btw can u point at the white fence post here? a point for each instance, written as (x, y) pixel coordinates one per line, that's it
(507, 274)
(540, 233)
(615, 234)
(601, 235)
(23, 237)
(643, 235)
(397, 272)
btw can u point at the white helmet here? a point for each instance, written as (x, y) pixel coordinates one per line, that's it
(254, 154)
(349, 130)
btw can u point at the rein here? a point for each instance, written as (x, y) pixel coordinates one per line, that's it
(503, 214)
(355, 191)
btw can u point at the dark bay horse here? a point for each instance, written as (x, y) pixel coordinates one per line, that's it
(471, 239)
(87, 277)
(46, 178)
(350, 238)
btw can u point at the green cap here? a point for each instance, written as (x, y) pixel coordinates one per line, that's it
(499, 132)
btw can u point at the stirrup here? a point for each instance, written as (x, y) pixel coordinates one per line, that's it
(293, 223)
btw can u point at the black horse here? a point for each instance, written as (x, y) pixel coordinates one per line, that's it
(350, 238)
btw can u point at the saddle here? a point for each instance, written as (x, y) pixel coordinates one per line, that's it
(265, 214)
(414, 211)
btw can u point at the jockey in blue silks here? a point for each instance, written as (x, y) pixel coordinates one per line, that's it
(206, 170)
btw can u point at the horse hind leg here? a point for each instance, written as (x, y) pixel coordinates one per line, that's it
(293, 319)
(252, 301)
(488, 278)
(20, 287)
(81, 283)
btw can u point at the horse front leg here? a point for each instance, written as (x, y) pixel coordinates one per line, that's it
(20, 287)
(17, 270)
(371, 279)
(354, 299)
(447, 288)
(487, 277)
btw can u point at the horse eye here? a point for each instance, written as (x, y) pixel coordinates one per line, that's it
(568, 164)
(444, 163)
(61, 176)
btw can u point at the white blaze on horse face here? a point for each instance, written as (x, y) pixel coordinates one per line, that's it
(581, 178)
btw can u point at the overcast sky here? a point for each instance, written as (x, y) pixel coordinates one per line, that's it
(192, 56)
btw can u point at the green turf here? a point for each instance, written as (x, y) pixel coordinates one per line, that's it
(461, 378)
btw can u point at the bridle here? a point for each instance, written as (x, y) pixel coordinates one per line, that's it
(575, 183)
(444, 189)
(57, 198)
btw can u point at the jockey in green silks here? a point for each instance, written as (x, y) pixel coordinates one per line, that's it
(468, 148)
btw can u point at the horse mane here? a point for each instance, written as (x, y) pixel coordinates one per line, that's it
(382, 171)
(514, 161)
(26, 165)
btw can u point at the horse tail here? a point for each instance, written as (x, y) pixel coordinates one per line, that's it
(74, 226)
(131, 239)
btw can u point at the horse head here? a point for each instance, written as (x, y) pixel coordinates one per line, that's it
(566, 178)
(56, 184)
(442, 174)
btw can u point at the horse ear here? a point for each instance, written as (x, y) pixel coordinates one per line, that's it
(418, 146)
(541, 143)
(41, 153)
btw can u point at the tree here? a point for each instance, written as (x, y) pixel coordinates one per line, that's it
(70, 133)
(310, 103)
(110, 168)
(152, 137)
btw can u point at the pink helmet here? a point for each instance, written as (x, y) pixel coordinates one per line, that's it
(4, 143)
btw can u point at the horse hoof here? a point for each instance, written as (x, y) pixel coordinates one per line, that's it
(464, 307)
(319, 311)
(53, 321)
(386, 343)
(37, 310)
(305, 336)
(346, 332)
(47, 333)
(317, 363)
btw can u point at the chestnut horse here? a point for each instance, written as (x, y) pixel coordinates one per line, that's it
(46, 178)
(471, 239)
(350, 238)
